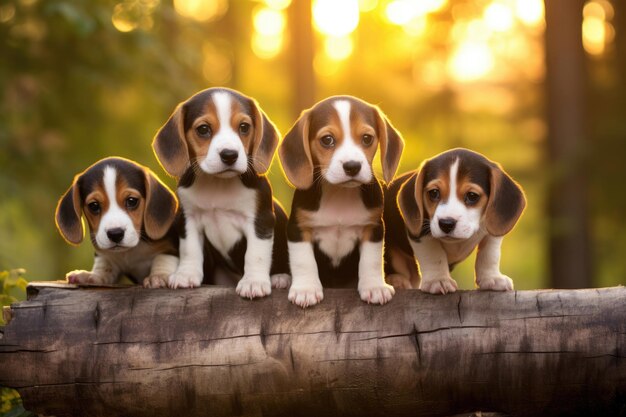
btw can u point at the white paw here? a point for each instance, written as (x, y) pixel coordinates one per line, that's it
(156, 281)
(281, 281)
(306, 296)
(84, 277)
(184, 280)
(398, 281)
(495, 282)
(439, 286)
(252, 287)
(376, 294)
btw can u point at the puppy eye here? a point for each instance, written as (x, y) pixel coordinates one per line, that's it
(471, 198)
(327, 141)
(94, 207)
(367, 140)
(204, 130)
(131, 203)
(244, 128)
(434, 194)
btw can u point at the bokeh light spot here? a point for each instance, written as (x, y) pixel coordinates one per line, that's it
(201, 10)
(336, 18)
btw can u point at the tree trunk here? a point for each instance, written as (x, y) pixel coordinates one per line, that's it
(301, 52)
(566, 82)
(208, 352)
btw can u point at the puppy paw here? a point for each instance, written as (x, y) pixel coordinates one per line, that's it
(306, 296)
(184, 280)
(376, 294)
(495, 282)
(439, 286)
(281, 281)
(252, 287)
(85, 277)
(156, 281)
(398, 281)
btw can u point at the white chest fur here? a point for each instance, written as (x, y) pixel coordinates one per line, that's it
(223, 208)
(338, 224)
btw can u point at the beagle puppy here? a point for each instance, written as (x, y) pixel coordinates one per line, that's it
(130, 213)
(335, 231)
(219, 144)
(455, 202)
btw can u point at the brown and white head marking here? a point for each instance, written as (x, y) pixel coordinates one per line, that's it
(122, 201)
(339, 137)
(220, 131)
(458, 193)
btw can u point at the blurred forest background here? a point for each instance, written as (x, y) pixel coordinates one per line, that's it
(540, 88)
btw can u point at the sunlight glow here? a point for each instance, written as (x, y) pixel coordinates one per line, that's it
(401, 12)
(123, 19)
(498, 17)
(266, 47)
(367, 5)
(277, 4)
(597, 31)
(269, 25)
(470, 61)
(338, 49)
(530, 12)
(201, 10)
(269, 22)
(594, 34)
(336, 18)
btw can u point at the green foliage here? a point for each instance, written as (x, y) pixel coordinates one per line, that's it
(13, 287)
(11, 404)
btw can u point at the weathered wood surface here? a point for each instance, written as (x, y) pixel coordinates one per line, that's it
(207, 352)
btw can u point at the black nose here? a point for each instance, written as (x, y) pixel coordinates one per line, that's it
(352, 167)
(447, 224)
(116, 234)
(229, 156)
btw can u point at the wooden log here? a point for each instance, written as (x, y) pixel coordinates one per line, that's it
(207, 352)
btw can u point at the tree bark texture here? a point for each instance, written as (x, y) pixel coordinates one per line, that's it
(207, 352)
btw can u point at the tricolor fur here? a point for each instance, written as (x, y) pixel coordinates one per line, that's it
(335, 229)
(219, 144)
(455, 202)
(130, 213)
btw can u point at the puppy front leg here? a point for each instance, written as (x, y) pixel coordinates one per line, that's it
(257, 263)
(306, 288)
(103, 272)
(162, 267)
(372, 286)
(433, 265)
(189, 273)
(488, 275)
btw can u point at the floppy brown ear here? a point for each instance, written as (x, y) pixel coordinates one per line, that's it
(391, 146)
(161, 207)
(265, 141)
(295, 154)
(410, 203)
(68, 215)
(506, 203)
(170, 145)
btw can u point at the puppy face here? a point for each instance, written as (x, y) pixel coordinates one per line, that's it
(455, 196)
(458, 193)
(218, 130)
(340, 137)
(121, 201)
